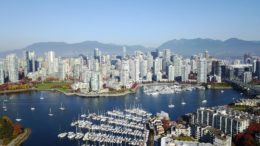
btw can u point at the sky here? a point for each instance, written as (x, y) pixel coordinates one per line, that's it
(127, 22)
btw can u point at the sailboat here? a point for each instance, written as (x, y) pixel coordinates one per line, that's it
(183, 103)
(50, 113)
(61, 107)
(222, 91)
(41, 97)
(18, 119)
(83, 115)
(171, 105)
(204, 99)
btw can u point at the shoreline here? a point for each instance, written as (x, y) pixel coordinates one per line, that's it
(20, 139)
(102, 94)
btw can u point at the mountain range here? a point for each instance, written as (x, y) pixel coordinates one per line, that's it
(230, 47)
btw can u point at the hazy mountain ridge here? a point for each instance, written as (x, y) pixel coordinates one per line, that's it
(187, 47)
(230, 47)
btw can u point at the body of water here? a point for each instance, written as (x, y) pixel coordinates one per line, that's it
(45, 128)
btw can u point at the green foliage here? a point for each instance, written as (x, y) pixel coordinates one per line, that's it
(62, 86)
(6, 130)
(184, 138)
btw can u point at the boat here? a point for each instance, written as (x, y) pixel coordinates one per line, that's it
(50, 113)
(171, 105)
(4, 106)
(18, 119)
(41, 97)
(222, 91)
(32, 108)
(61, 107)
(71, 135)
(62, 135)
(183, 103)
(204, 101)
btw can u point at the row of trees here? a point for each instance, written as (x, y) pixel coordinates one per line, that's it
(248, 137)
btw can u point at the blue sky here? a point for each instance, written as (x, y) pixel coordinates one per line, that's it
(144, 22)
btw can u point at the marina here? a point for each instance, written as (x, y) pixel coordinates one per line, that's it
(126, 127)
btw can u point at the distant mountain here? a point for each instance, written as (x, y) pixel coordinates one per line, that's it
(230, 47)
(75, 49)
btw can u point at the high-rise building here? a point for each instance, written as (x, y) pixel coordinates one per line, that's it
(62, 71)
(143, 69)
(124, 76)
(97, 54)
(202, 71)
(31, 62)
(171, 73)
(50, 59)
(12, 67)
(156, 66)
(124, 52)
(247, 77)
(1, 72)
(257, 71)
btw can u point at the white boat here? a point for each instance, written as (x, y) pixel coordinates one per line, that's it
(71, 135)
(32, 108)
(50, 113)
(61, 107)
(183, 103)
(5, 109)
(4, 106)
(18, 119)
(171, 105)
(62, 135)
(41, 98)
(155, 93)
(204, 101)
(222, 91)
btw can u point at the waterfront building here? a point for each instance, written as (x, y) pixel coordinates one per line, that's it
(247, 77)
(62, 71)
(202, 71)
(95, 81)
(50, 59)
(228, 121)
(124, 77)
(1, 73)
(143, 69)
(12, 67)
(258, 69)
(171, 73)
(31, 62)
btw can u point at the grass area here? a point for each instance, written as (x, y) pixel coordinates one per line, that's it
(220, 85)
(238, 107)
(62, 86)
(184, 138)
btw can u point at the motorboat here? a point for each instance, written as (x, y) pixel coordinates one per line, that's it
(171, 105)
(32, 108)
(62, 135)
(204, 101)
(183, 103)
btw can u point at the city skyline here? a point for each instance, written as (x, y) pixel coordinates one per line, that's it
(147, 23)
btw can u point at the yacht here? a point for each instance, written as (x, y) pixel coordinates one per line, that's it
(62, 135)
(204, 101)
(50, 113)
(71, 135)
(61, 107)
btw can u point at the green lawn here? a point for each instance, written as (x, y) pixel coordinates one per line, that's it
(63, 86)
(184, 138)
(238, 107)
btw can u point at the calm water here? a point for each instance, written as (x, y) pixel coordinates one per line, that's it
(45, 128)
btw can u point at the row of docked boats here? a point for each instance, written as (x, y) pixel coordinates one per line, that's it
(126, 127)
(165, 89)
